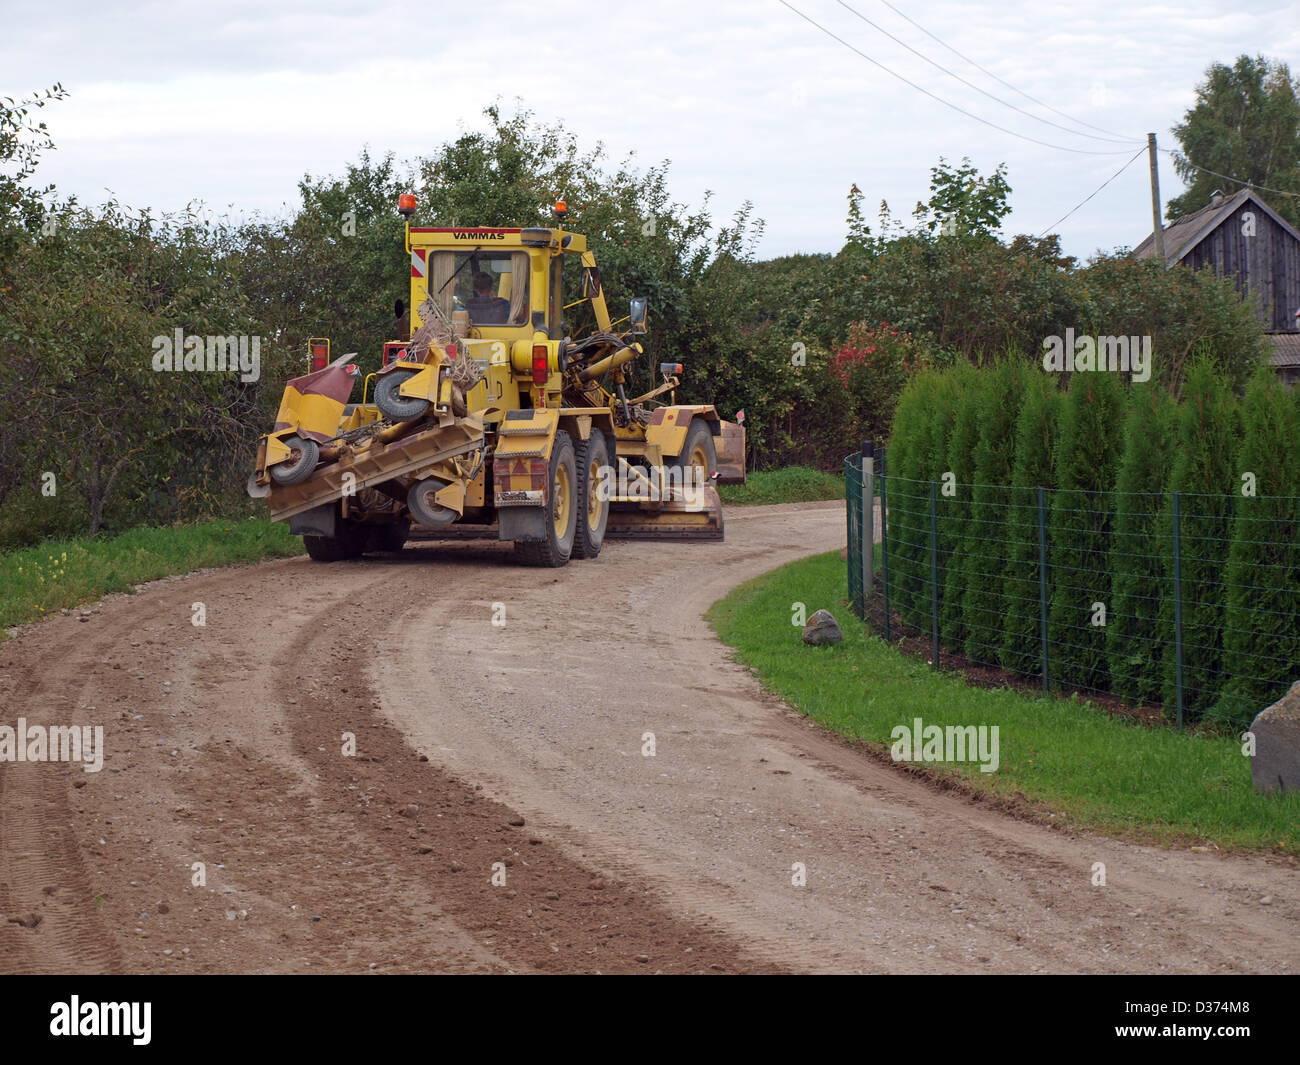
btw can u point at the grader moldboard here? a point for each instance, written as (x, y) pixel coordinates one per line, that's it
(489, 421)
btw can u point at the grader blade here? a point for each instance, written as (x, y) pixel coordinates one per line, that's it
(696, 519)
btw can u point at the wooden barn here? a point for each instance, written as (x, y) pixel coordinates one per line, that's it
(1241, 236)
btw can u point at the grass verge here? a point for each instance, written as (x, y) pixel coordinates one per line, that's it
(792, 484)
(58, 574)
(1086, 767)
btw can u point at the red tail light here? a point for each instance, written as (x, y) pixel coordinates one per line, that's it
(320, 355)
(541, 364)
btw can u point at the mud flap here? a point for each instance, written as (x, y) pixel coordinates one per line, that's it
(521, 523)
(319, 521)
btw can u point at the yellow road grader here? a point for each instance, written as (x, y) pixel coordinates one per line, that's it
(489, 419)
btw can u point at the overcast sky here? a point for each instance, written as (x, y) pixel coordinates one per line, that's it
(229, 103)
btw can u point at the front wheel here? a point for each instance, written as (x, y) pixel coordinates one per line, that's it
(560, 519)
(593, 503)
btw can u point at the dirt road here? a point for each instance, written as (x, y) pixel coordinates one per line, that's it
(230, 831)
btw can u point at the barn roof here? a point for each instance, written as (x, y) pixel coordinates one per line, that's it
(1286, 349)
(1183, 234)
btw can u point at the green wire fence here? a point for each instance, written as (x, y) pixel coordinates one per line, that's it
(1187, 602)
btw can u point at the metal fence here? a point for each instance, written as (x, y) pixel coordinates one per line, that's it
(1186, 602)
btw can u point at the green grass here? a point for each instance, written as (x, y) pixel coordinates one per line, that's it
(792, 484)
(1087, 767)
(58, 574)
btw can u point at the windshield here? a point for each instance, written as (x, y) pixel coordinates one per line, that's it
(491, 285)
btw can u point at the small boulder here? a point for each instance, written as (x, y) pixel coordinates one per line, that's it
(822, 628)
(1276, 765)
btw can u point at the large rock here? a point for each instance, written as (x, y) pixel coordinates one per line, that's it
(822, 628)
(1276, 765)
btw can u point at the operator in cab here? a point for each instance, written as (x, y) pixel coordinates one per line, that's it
(483, 307)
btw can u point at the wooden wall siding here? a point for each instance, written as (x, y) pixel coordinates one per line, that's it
(1268, 263)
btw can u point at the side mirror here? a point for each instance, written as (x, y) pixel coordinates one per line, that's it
(638, 313)
(399, 309)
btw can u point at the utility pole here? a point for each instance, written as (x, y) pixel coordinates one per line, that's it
(1158, 228)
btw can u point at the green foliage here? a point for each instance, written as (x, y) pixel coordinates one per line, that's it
(968, 388)
(1032, 468)
(1086, 461)
(1246, 124)
(1139, 578)
(1206, 439)
(964, 202)
(981, 591)
(1261, 626)
(908, 500)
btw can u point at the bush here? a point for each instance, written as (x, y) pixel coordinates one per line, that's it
(1139, 581)
(1207, 436)
(1261, 625)
(983, 601)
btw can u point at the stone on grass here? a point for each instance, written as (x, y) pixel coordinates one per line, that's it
(1276, 765)
(822, 628)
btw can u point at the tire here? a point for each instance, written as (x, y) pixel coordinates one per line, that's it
(556, 546)
(422, 506)
(350, 543)
(303, 456)
(397, 407)
(698, 450)
(391, 536)
(591, 456)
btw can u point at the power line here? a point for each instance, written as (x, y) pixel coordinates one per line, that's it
(940, 99)
(1034, 99)
(972, 85)
(1247, 184)
(1090, 195)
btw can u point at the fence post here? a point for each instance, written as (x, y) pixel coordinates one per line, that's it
(868, 523)
(1042, 587)
(884, 538)
(1178, 607)
(934, 577)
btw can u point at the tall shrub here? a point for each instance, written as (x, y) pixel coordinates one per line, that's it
(1036, 428)
(1208, 431)
(1138, 572)
(1261, 625)
(1087, 457)
(983, 602)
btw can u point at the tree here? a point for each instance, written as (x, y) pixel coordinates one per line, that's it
(983, 599)
(1139, 579)
(963, 202)
(1035, 435)
(1245, 124)
(967, 390)
(1207, 436)
(1261, 624)
(1087, 454)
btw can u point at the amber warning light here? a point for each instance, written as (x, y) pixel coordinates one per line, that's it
(406, 204)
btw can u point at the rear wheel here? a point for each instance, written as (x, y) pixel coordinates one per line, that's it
(698, 458)
(303, 456)
(390, 536)
(393, 405)
(592, 456)
(349, 543)
(561, 512)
